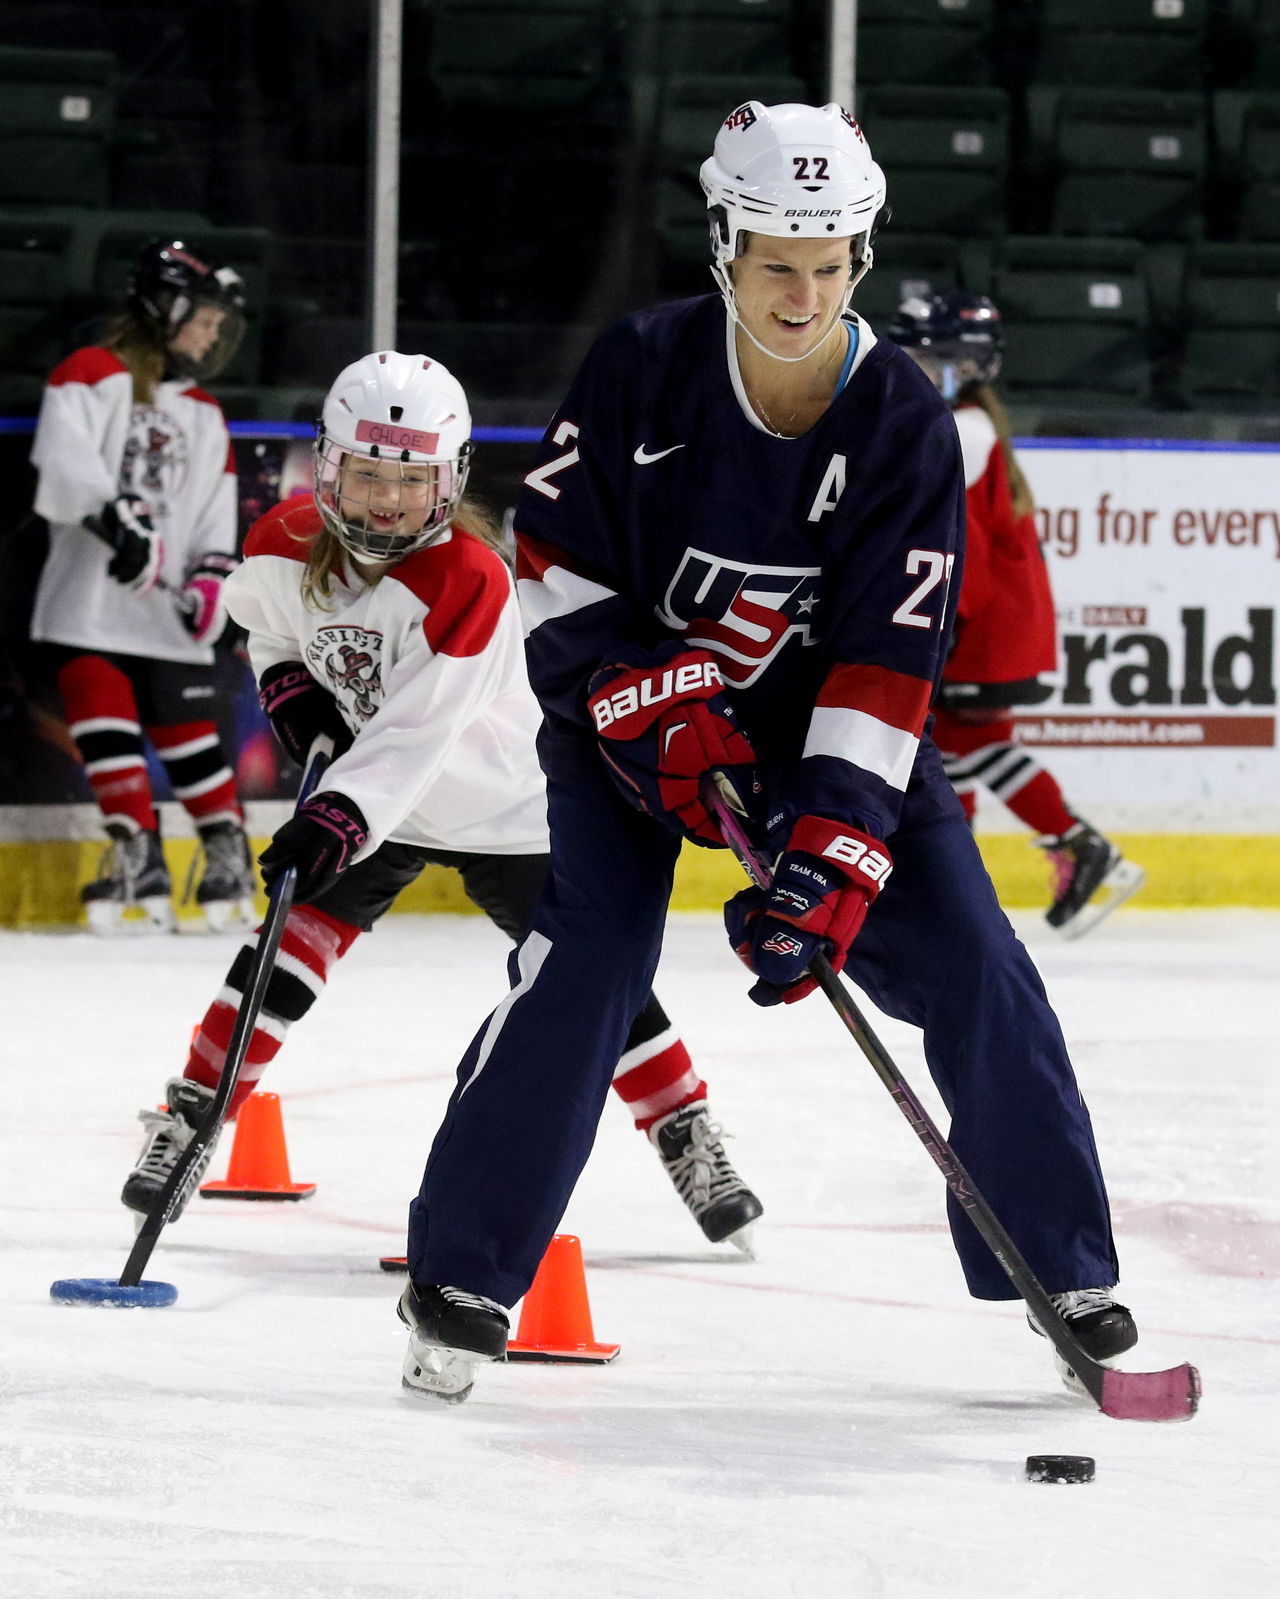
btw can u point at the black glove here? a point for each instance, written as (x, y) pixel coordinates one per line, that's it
(320, 841)
(127, 527)
(299, 710)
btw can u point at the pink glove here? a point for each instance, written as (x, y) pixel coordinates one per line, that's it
(204, 612)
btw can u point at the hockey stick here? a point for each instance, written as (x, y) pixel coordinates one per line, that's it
(129, 1290)
(255, 988)
(187, 604)
(1126, 1395)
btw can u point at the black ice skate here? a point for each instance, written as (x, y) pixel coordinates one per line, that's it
(1102, 1328)
(450, 1333)
(1091, 878)
(168, 1134)
(226, 889)
(132, 872)
(722, 1205)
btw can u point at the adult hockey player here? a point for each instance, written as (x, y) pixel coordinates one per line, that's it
(137, 483)
(736, 552)
(379, 612)
(1005, 634)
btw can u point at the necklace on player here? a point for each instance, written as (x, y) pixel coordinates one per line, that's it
(791, 418)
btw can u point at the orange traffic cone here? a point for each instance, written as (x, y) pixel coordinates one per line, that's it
(555, 1319)
(259, 1166)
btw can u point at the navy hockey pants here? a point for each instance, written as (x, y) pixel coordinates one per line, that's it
(936, 951)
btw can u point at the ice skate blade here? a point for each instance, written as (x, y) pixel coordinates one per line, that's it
(105, 917)
(745, 1240)
(436, 1372)
(1122, 882)
(229, 916)
(158, 916)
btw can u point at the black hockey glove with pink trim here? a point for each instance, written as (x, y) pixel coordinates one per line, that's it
(665, 721)
(321, 841)
(299, 710)
(823, 885)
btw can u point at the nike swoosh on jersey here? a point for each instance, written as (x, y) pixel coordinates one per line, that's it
(643, 458)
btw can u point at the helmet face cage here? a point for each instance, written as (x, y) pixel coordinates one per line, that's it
(351, 487)
(170, 283)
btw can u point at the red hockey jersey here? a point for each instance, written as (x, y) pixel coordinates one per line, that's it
(1005, 627)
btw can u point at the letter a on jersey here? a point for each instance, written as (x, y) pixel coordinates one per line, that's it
(742, 614)
(830, 489)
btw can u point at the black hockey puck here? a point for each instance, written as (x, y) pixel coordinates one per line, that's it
(1059, 1468)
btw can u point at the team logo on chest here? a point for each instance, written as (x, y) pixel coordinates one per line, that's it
(349, 661)
(156, 458)
(742, 614)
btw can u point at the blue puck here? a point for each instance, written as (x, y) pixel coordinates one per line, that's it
(106, 1291)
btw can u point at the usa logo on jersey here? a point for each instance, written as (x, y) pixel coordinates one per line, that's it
(743, 614)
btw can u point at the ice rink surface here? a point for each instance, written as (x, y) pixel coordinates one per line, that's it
(835, 1419)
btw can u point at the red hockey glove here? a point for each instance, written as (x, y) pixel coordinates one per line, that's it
(320, 840)
(664, 721)
(125, 523)
(823, 885)
(299, 710)
(204, 612)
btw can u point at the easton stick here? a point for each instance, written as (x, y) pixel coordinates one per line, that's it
(1171, 1395)
(130, 1289)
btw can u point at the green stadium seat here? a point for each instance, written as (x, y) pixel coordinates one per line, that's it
(35, 258)
(1259, 218)
(726, 37)
(1076, 313)
(924, 41)
(502, 55)
(57, 110)
(1264, 70)
(945, 152)
(1140, 44)
(1133, 164)
(1231, 310)
(1259, 152)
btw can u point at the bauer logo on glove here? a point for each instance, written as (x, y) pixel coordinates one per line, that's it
(810, 906)
(652, 689)
(664, 722)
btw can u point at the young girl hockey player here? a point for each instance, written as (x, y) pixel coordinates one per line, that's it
(1005, 634)
(381, 613)
(735, 549)
(138, 486)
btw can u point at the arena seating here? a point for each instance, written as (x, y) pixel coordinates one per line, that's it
(1040, 150)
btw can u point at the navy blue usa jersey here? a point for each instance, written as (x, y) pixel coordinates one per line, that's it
(821, 571)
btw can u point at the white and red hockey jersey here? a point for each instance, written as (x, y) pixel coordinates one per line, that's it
(1005, 625)
(93, 443)
(427, 668)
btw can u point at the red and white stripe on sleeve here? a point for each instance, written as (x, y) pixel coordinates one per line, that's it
(548, 585)
(872, 718)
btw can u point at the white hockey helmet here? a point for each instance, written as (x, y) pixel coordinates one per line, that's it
(792, 172)
(405, 409)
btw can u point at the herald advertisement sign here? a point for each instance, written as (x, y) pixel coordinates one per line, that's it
(1165, 564)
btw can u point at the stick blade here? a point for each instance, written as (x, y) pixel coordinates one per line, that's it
(1172, 1395)
(116, 1295)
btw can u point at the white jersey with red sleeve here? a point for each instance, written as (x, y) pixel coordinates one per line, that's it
(93, 443)
(427, 668)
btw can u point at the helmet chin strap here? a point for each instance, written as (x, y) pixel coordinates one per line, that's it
(727, 293)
